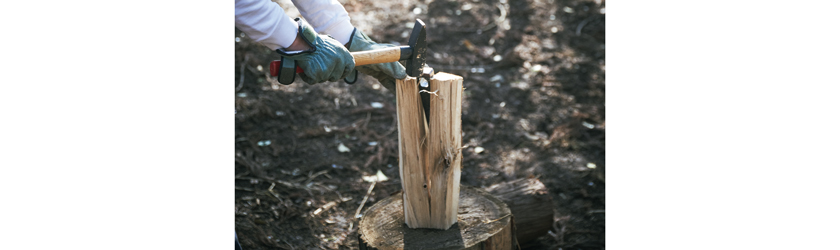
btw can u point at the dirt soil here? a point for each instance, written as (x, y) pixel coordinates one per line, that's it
(534, 102)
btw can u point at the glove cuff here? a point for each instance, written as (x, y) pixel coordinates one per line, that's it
(309, 36)
(358, 45)
(352, 35)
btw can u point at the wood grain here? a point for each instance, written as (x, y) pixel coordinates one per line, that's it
(430, 151)
(413, 155)
(444, 148)
(376, 56)
(484, 222)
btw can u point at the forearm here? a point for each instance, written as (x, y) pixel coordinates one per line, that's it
(326, 16)
(265, 22)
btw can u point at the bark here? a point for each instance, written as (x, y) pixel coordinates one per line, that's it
(531, 205)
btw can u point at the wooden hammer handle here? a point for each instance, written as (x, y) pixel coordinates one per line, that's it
(386, 55)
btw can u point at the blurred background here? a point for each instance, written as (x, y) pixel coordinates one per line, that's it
(533, 108)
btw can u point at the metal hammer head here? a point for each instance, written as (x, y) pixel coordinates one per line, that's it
(414, 64)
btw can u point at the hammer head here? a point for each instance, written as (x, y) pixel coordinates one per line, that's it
(417, 42)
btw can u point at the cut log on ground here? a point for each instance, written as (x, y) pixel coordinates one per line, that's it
(430, 149)
(484, 222)
(531, 205)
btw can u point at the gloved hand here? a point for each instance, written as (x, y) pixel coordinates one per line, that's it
(386, 73)
(328, 60)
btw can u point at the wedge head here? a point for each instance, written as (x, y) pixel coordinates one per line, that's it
(417, 42)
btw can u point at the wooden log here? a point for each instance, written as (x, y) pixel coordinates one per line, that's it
(444, 148)
(484, 222)
(531, 205)
(412, 127)
(430, 150)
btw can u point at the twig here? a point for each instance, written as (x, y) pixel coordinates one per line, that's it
(364, 200)
(312, 177)
(370, 160)
(242, 73)
(342, 198)
(287, 243)
(273, 194)
(583, 23)
(391, 130)
(329, 205)
(326, 207)
(367, 120)
(563, 234)
(491, 221)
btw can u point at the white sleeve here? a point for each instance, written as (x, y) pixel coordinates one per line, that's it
(265, 22)
(326, 16)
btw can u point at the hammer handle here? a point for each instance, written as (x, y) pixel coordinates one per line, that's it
(386, 55)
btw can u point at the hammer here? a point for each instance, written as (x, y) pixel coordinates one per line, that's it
(414, 54)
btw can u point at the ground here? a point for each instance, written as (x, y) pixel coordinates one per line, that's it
(534, 102)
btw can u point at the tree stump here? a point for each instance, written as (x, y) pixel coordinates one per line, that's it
(484, 222)
(531, 205)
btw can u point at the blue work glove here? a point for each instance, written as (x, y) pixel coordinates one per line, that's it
(386, 73)
(328, 60)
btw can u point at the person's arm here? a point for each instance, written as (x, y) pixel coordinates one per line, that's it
(327, 16)
(322, 58)
(266, 22)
